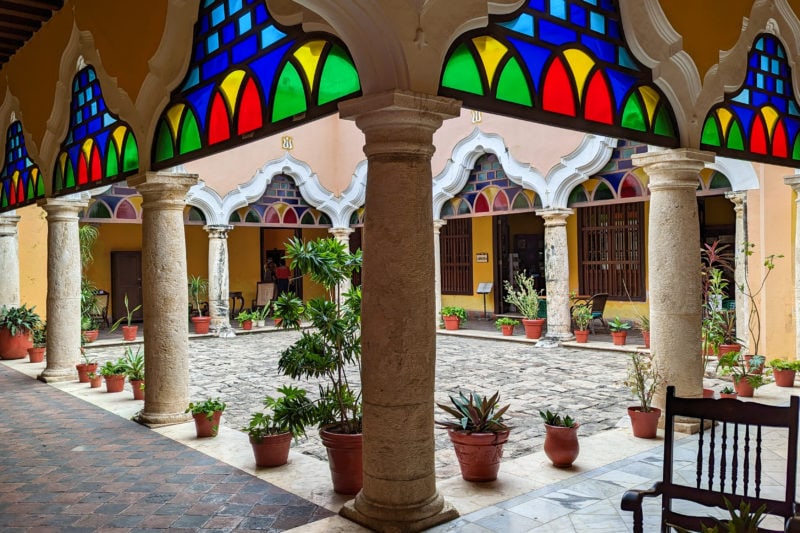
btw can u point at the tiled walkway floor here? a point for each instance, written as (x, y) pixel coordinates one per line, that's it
(72, 466)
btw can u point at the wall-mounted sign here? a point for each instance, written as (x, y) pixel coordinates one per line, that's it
(482, 257)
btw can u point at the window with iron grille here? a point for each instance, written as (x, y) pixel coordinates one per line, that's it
(611, 244)
(456, 256)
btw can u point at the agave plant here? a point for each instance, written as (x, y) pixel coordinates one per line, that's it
(475, 414)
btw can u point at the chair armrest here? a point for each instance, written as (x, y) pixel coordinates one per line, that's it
(632, 499)
(793, 522)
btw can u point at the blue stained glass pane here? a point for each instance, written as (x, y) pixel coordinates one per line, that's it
(760, 44)
(555, 34)
(228, 33)
(93, 108)
(79, 132)
(753, 60)
(89, 94)
(776, 69)
(108, 119)
(749, 79)
(192, 79)
(745, 115)
(779, 103)
(770, 46)
(605, 50)
(593, 2)
(760, 81)
(94, 125)
(110, 200)
(792, 127)
(614, 178)
(234, 6)
(793, 109)
(208, 3)
(204, 25)
(90, 74)
(534, 58)
(245, 23)
(625, 60)
(214, 66)
(558, 8)
(779, 87)
(212, 43)
(217, 15)
(770, 84)
(608, 5)
(81, 100)
(577, 15)
(620, 85)
(597, 22)
(245, 49)
(612, 29)
(758, 99)
(102, 141)
(199, 100)
(765, 63)
(261, 14)
(199, 52)
(537, 5)
(265, 67)
(781, 54)
(270, 35)
(522, 24)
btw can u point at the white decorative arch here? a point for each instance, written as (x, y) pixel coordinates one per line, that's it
(740, 174)
(218, 210)
(589, 157)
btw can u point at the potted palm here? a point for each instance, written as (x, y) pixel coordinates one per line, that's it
(129, 331)
(270, 432)
(206, 416)
(643, 380)
(477, 433)
(331, 349)
(619, 330)
(39, 335)
(198, 287)
(114, 374)
(16, 327)
(582, 315)
(452, 316)
(523, 295)
(134, 370)
(561, 439)
(288, 311)
(506, 325)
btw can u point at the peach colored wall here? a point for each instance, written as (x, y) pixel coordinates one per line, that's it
(32, 236)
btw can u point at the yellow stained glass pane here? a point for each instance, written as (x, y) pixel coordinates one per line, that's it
(119, 137)
(136, 202)
(770, 117)
(230, 88)
(591, 184)
(530, 195)
(308, 56)
(491, 51)
(87, 149)
(642, 176)
(174, 117)
(490, 193)
(724, 117)
(650, 98)
(581, 65)
(62, 162)
(15, 178)
(280, 208)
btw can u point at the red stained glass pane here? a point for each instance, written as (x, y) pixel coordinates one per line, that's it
(250, 113)
(272, 217)
(20, 191)
(126, 211)
(629, 187)
(219, 128)
(780, 144)
(557, 94)
(758, 137)
(290, 217)
(83, 174)
(598, 100)
(500, 202)
(481, 204)
(96, 170)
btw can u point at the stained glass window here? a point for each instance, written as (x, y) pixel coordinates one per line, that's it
(281, 205)
(99, 147)
(119, 203)
(761, 121)
(562, 62)
(20, 181)
(250, 77)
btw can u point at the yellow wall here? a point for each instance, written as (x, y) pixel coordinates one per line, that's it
(32, 236)
(481, 272)
(112, 238)
(243, 261)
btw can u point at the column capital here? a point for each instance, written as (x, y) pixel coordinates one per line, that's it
(793, 181)
(218, 231)
(438, 224)
(738, 199)
(555, 216)
(8, 225)
(163, 190)
(60, 208)
(341, 233)
(673, 169)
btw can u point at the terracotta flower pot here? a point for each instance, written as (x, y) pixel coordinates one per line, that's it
(743, 388)
(646, 337)
(619, 337)
(478, 454)
(708, 393)
(561, 445)
(277, 321)
(451, 322)
(83, 371)
(784, 378)
(129, 332)
(644, 424)
(16, 346)
(731, 395)
(115, 382)
(507, 330)
(247, 324)
(581, 335)
(344, 459)
(96, 381)
(91, 335)
(272, 450)
(754, 370)
(204, 426)
(201, 324)
(727, 348)
(138, 392)
(36, 355)
(533, 328)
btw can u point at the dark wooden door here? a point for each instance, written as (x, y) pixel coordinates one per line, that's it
(126, 278)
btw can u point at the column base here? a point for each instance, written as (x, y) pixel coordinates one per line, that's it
(154, 420)
(58, 375)
(399, 519)
(225, 332)
(684, 424)
(560, 337)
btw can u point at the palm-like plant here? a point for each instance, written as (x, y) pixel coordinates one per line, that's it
(198, 286)
(475, 414)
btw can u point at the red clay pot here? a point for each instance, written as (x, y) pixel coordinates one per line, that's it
(561, 445)
(247, 324)
(272, 450)
(644, 424)
(451, 322)
(344, 459)
(708, 393)
(115, 382)
(201, 324)
(96, 381)
(533, 328)
(581, 335)
(138, 392)
(204, 426)
(727, 348)
(731, 395)
(91, 335)
(743, 388)
(507, 330)
(784, 378)
(14, 347)
(478, 454)
(83, 371)
(277, 321)
(129, 333)
(36, 355)
(646, 337)
(754, 370)
(619, 337)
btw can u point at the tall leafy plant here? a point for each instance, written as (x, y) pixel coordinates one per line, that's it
(753, 292)
(87, 236)
(198, 287)
(523, 295)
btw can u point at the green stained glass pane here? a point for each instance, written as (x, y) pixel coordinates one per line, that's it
(513, 86)
(130, 154)
(112, 167)
(189, 136)
(710, 134)
(308, 219)
(663, 123)
(290, 95)
(463, 208)
(603, 193)
(796, 149)
(339, 77)
(234, 217)
(324, 220)
(735, 137)
(164, 149)
(58, 179)
(354, 219)
(719, 181)
(633, 114)
(40, 188)
(195, 215)
(578, 195)
(3, 197)
(252, 216)
(69, 178)
(537, 202)
(462, 73)
(520, 202)
(99, 210)
(30, 193)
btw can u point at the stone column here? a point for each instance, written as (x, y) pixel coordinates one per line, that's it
(673, 267)
(556, 273)
(165, 298)
(343, 236)
(437, 269)
(218, 276)
(9, 261)
(398, 363)
(63, 289)
(739, 199)
(794, 182)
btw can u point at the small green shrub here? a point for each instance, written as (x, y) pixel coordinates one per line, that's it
(505, 321)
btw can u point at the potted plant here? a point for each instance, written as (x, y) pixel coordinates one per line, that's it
(744, 381)
(643, 380)
(129, 331)
(39, 335)
(506, 325)
(726, 320)
(198, 287)
(89, 365)
(523, 295)
(134, 369)
(742, 520)
(619, 330)
(288, 311)
(16, 326)
(727, 392)
(114, 374)
(477, 433)
(784, 371)
(331, 349)
(260, 315)
(206, 416)
(561, 439)
(643, 325)
(271, 432)
(95, 380)
(245, 319)
(753, 293)
(452, 316)
(582, 315)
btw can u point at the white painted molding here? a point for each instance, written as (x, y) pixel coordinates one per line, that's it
(588, 158)
(740, 173)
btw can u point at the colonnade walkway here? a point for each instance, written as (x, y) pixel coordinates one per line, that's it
(71, 460)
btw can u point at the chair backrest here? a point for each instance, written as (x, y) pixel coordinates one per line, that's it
(264, 293)
(101, 301)
(599, 303)
(727, 459)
